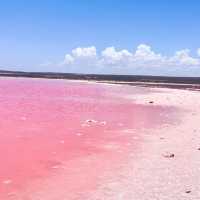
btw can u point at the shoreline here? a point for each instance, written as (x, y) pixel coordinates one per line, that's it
(165, 164)
(147, 83)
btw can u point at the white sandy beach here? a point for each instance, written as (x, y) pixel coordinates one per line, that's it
(167, 166)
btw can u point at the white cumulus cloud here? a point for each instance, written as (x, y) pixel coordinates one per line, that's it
(183, 57)
(144, 52)
(68, 59)
(88, 52)
(144, 60)
(198, 51)
(111, 56)
(81, 57)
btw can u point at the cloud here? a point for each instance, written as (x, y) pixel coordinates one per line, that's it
(88, 52)
(68, 59)
(144, 52)
(198, 51)
(110, 56)
(182, 57)
(144, 60)
(81, 56)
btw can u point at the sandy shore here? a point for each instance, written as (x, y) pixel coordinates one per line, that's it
(168, 164)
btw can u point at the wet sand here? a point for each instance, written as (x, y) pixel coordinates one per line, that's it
(78, 140)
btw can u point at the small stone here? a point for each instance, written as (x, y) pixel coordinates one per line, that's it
(169, 155)
(188, 191)
(91, 121)
(151, 102)
(198, 149)
(103, 123)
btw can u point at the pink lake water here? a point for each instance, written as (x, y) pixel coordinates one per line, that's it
(75, 134)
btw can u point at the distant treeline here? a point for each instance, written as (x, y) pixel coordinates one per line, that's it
(103, 77)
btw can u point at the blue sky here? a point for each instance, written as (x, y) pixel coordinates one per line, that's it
(156, 35)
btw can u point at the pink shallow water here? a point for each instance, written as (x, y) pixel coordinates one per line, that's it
(44, 133)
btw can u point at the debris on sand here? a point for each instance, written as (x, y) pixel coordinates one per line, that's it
(90, 121)
(198, 149)
(103, 123)
(151, 102)
(168, 155)
(188, 191)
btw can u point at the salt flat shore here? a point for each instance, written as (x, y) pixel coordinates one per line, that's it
(167, 167)
(109, 160)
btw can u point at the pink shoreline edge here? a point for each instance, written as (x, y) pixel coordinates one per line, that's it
(160, 98)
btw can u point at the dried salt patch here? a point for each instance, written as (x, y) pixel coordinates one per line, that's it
(84, 125)
(79, 134)
(120, 124)
(128, 131)
(11, 194)
(62, 141)
(55, 167)
(7, 182)
(23, 118)
(110, 146)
